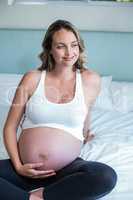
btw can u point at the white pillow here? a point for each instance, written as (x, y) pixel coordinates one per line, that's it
(3, 116)
(7, 79)
(122, 96)
(104, 99)
(8, 85)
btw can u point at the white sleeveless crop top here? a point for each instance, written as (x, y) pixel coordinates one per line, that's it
(70, 116)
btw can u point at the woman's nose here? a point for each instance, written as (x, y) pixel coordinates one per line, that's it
(68, 51)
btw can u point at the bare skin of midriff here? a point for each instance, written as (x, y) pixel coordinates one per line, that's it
(54, 147)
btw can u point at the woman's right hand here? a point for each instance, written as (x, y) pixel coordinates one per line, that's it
(32, 170)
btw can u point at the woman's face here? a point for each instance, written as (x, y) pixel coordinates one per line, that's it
(65, 48)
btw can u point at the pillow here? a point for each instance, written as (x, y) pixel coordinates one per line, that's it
(104, 99)
(122, 96)
(7, 79)
(8, 85)
(3, 116)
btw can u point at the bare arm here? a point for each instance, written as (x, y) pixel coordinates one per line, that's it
(92, 82)
(23, 92)
(13, 119)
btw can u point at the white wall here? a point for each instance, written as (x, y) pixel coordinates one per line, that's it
(86, 16)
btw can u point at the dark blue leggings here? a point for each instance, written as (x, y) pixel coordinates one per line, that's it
(80, 180)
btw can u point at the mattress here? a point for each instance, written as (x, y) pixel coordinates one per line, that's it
(113, 145)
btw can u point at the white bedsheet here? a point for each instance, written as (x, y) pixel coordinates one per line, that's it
(113, 145)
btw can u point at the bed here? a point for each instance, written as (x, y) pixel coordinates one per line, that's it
(113, 145)
(111, 122)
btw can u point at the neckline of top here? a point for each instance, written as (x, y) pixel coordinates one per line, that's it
(54, 103)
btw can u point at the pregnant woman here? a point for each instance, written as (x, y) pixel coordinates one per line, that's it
(52, 105)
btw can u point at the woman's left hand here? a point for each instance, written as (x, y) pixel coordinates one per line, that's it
(89, 136)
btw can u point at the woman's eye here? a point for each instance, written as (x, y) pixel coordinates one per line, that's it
(60, 47)
(72, 46)
(75, 45)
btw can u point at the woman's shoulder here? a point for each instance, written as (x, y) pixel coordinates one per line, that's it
(30, 80)
(91, 84)
(31, 75)
(91, 77)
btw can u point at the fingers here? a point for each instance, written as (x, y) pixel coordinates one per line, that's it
(88, 138)
(43, 175)
(35, 165)
(91, 136)
(37, 173)
(42, 172)
(33, 170)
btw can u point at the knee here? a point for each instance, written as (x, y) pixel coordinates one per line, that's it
(109, 177)
(101, 175)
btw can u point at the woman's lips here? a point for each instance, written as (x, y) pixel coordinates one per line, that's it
(68, 58)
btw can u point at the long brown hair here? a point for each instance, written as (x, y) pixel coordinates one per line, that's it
(48, 62)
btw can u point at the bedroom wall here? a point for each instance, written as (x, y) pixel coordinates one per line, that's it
(109, 53)
(108, 41)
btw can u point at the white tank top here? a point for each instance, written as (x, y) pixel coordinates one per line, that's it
(70, 116)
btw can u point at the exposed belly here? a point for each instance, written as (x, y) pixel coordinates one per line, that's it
(54, 147)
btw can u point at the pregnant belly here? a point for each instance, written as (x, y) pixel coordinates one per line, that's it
(55, 148)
